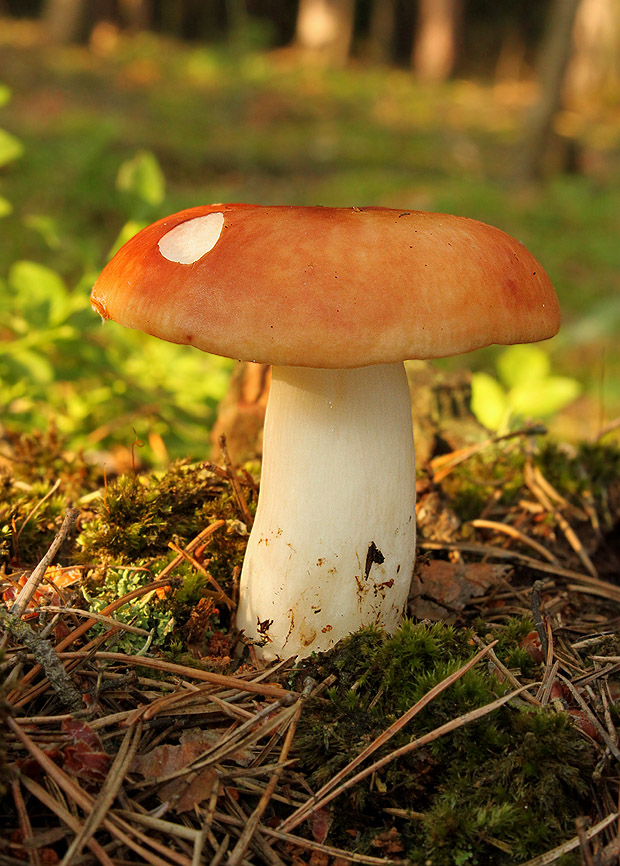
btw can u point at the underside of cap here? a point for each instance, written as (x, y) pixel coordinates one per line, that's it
(327, 287)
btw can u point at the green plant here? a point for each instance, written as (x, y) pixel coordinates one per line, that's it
(525, 388)
(58, 366)
(10, 149)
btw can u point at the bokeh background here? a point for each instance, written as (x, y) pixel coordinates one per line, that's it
(116, 112)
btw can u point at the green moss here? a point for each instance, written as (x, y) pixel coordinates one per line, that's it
(139, 515)
(24, 540)
(471, 484)
(499, 790)
(588, 467)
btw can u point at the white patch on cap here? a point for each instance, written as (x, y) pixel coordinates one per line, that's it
(191, 240)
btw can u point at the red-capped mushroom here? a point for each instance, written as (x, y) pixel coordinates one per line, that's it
(336, 299)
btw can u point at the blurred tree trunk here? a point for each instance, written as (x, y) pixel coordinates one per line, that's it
(555, 54)
(324, 29)
(136, 14)
(172, 16)
(238, 24)
(241, 414)
(64, 20)
(435, 45)
(381, 31)
(595, 63)
(511, 59)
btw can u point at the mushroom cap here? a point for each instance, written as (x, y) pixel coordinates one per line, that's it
(327, 287)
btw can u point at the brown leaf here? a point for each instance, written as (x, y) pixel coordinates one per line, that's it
(186, 792)
(59, 578)
(320, 822)
(441, 588)
(166, 759)
(532, 645)
(84, 756)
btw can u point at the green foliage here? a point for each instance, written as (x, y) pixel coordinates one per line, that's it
(526, 389)
(11, 148)
(509, 784)
(58, 366)
(142, 178)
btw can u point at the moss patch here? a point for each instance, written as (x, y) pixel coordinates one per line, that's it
(495, 791)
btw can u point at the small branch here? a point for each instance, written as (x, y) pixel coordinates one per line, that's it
(45, 655)
(479, 523)
(539, 624)
(30, 587)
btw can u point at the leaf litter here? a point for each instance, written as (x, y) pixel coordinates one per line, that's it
(138, 727)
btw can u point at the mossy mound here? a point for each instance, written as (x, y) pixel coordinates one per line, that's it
(495, 791)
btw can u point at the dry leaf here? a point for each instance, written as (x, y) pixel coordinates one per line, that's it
(320, 822)
(55, 578)
(84, 756)
(186, 791)
(441, 588)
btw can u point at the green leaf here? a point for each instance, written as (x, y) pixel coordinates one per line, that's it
(131, 228)
(489, 401)
(47, 227)
(38, 286)
(5, 207)
(5, 95)
(518, 365)
(543, 398)
(142, 176)
(10, 147)
(38, 367)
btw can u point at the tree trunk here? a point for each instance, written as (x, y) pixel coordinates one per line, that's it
(136, 14)
(241, 414)
(555, 54)
(63, 20)
(435, 44)
(595, 63)
(325, 29)
(381, 31)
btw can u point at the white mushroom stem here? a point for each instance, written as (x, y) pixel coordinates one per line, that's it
(333, 544)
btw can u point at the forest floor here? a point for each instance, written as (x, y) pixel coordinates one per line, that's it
(139, 727)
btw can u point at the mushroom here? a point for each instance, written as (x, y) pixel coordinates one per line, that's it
(335, 299)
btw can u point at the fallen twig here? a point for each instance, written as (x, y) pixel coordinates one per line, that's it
(29, 588)
(45, 655)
